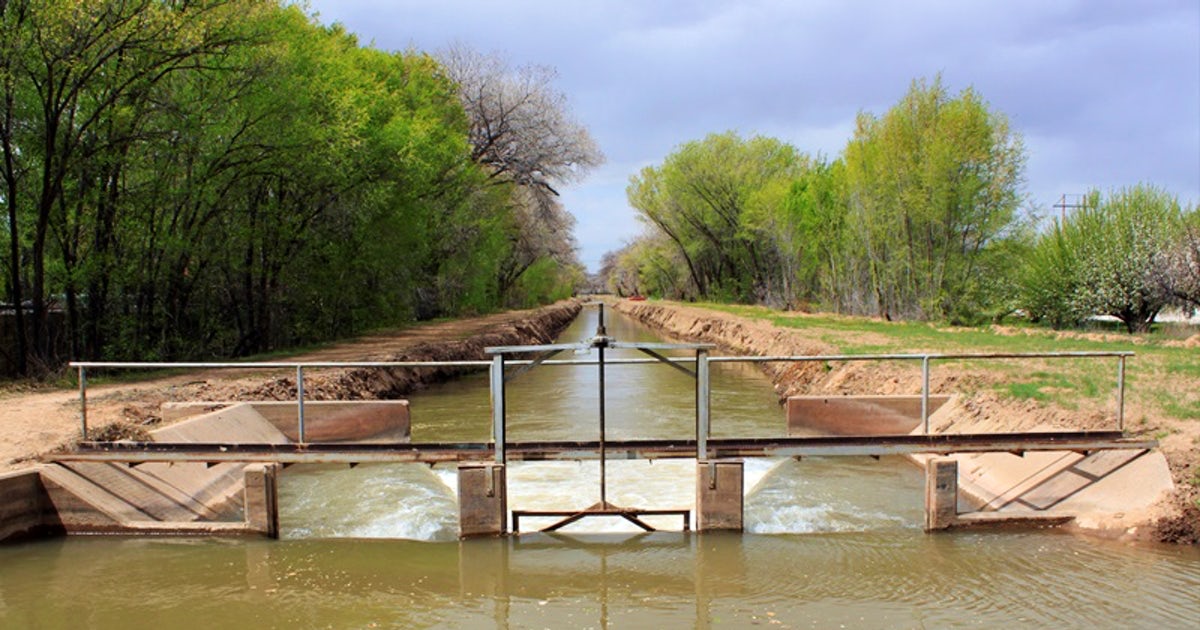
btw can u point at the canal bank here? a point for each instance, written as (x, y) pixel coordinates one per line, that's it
(51, 499)
(36, 420)
(1156, 512)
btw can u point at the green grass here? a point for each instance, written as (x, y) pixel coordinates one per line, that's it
(916, 336)
(1188, 410)
(1155, 376)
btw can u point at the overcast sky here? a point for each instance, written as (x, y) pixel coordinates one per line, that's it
(1106, 93)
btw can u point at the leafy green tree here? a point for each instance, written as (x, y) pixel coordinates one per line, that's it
(715, 199)
(1050, 278)
(931, 186)
(224, 177)
(76, 75)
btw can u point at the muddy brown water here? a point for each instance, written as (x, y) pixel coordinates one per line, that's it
(830, 542)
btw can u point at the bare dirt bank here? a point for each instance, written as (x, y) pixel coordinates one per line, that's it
(35, 421)
(980, 408)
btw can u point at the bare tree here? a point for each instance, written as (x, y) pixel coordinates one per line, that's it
(523, 134)
(521, 127)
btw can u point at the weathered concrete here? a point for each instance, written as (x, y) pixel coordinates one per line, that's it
(324, 420)
(941, 493)
(857, 415)
(1107, 492)
(719, 498)
(239, 423)
(482, 500)
(22, 505)
(262, 499)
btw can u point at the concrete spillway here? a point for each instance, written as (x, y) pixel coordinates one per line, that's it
(186, 497)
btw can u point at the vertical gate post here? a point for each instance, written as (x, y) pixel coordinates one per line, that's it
(261, 498)
(941, 493)
(497, 383)
(482, 500)
(719, 504)
(300, 403)
(703, 413)
(83, 403)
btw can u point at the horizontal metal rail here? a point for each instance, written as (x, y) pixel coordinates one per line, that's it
(300, 366)
(291, 365)
(432, 453)
(921, 357)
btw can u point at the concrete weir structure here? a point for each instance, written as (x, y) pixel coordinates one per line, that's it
(229, 498)
(1100, 489)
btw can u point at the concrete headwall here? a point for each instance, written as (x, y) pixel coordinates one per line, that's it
(22, 505)
(275, 421)
(857, 415)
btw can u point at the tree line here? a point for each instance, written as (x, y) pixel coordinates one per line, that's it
(217, 178)
(920, 217)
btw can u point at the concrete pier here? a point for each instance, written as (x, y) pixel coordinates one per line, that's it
(941, 493)
(482, 500)
(719, 503)
(262, 502)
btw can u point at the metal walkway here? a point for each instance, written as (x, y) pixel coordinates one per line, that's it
(717, 448)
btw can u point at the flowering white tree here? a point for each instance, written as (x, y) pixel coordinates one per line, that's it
(1120, 244)
(1180, 266)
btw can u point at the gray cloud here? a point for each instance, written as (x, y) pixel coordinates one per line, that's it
(1107, 93)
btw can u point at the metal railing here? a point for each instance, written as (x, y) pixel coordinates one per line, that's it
(82, 367)
(925, 360)
(703, 384)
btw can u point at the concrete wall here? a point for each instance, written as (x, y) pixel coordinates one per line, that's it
(857, 415)
(276, 421)
(22, 505)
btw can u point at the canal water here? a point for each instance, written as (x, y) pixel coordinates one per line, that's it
(830, 542)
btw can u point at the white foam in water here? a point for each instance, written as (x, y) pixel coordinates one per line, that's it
(788, 503)
(413, 502)
(370, 501)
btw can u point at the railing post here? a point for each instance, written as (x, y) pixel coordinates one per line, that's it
(300, 402)
(703, 419)
(497, 380)
(83, 402)
(1121, 393)
(925, 393)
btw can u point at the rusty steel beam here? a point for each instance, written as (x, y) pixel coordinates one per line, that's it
(723, 448)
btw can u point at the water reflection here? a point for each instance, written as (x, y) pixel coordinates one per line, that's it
(898, 579)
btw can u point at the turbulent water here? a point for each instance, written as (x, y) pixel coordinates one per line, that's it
(831, 542)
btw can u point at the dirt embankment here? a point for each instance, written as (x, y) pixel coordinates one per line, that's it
(33, 422)
(984, 409)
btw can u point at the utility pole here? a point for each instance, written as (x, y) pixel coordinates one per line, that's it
(1069, 202)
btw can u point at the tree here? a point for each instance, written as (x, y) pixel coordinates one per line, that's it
(522, 133)
(1050, 278)
(224, 177)
(1179, 267)
(715, 200)
(1119, 243)
(1107, 258)
(931, 186)
(76, 74)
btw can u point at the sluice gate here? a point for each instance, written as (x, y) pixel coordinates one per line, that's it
(482, 480)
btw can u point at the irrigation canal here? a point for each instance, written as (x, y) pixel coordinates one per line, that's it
(829, 541)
